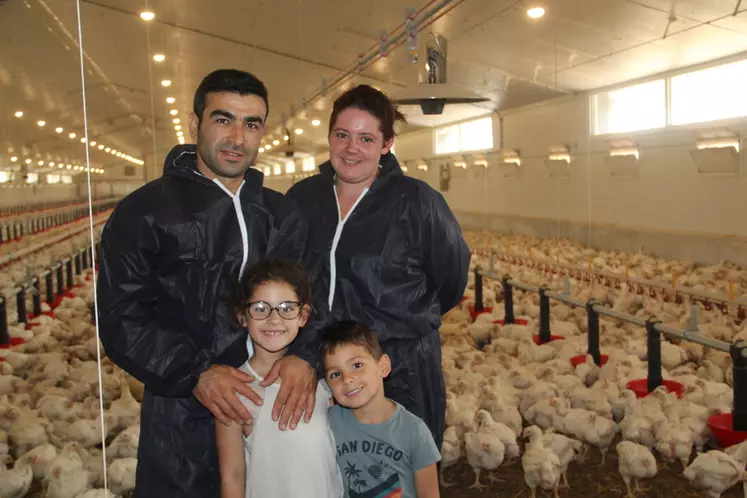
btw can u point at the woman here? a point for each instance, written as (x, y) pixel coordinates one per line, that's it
(395, 256)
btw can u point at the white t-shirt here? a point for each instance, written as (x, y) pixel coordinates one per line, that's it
(290, 463)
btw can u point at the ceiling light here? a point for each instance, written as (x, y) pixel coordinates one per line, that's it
(60, 165)
(147, 15)
(51, 163)
(536, 12)
(13, 159)
(268, 147)
(159, 57)
(58, 129)
(178, 127)
(299, 131)
(28, 161)
(108, 149)
(41, 123)
(72, 135)
(93, 143)
(316, 122)
(40, 163)
(69, 166)
(83, 140)
(276, 142)
(261, 149)
(170, 100)
(19, 114)
(286, 137)
(165, 82)
(174, 112)
(177, 120)
(101, 146)
(114, 152)
(179, 133)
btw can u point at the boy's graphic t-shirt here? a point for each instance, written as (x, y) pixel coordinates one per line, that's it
(380, 460)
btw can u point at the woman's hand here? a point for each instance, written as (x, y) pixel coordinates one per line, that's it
(297, 395)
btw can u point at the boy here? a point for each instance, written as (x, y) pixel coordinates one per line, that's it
(383, 450)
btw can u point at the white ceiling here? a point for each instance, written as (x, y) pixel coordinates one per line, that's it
(494, 49)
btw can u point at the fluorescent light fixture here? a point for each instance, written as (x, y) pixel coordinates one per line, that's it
(170, 100)
(159, 57)
(165, 83)
(627, 151)
(536, 12)
(147, 15)
(718, 142)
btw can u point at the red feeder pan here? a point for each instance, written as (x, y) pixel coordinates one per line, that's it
(474, 313)
(16, 341)
(722, 427)
(640, 387)
(552, 338)
(577, 360)
(518, 321)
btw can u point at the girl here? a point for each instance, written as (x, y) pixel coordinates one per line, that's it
(273, 303)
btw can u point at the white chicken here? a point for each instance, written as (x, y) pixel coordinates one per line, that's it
(15, 482)
(484, 451)
(451, 452)
(541, 465)
(635, 462)
(714, 472)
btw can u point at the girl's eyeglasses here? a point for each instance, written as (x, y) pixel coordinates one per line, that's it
(288, 310)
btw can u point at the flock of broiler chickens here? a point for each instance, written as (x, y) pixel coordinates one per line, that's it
(509, 400)
(503, 388)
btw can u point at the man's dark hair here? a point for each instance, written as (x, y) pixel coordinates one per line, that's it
(231, 81)
(348, 332)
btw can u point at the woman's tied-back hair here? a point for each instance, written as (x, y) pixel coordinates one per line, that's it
(348, 332)
(367, 98)
(271, 270)
(228, 81)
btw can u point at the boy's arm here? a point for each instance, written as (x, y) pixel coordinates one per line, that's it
(230, 445)
(425, 455)
(426, 482)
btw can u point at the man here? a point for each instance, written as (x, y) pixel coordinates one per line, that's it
(170, 254)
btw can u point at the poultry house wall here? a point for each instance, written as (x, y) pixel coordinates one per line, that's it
(669, 209)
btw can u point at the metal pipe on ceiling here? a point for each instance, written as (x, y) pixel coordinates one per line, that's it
(420, 20)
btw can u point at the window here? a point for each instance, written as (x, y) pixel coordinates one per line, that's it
(468, 136)
(635, 108)
(277, 169)
(709, 94)
(477, 134)
(290, 167)
(447, 140)
(268, 171)
(52, 179)
(5, 176)
(32, 177)
(309, 164)
(67, 179)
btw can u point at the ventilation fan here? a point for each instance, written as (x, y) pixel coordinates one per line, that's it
(433, 96)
